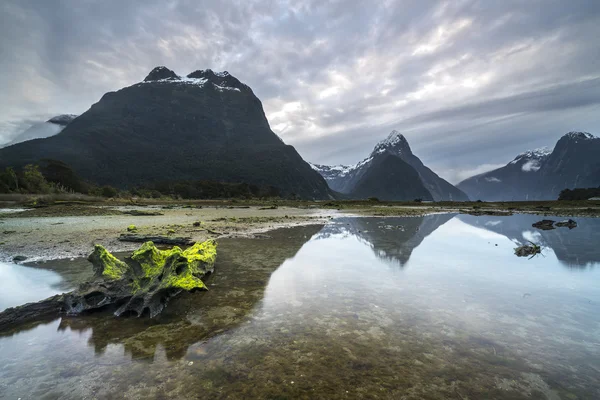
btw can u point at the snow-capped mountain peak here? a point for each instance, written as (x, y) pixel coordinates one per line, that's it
(531, 160)
(579, 135)
(333, 171)
(535, 154)
(395, 143)
(219, 80)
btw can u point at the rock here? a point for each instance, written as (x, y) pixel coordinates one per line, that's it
(545, 224)
(160, 73)
(19, 258)
(142, 213)
(141, 286)
(528, 250)
(498, 213)
(172, 240)
(568, 223)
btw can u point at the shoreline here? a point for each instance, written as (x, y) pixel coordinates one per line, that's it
(67, 230)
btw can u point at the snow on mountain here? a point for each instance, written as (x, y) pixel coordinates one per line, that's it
(395, 142)
(345, 178)
(219, 80)
(541, 174)
(580, 135)
(531, 160)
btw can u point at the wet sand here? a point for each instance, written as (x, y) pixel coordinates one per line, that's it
(41, 238)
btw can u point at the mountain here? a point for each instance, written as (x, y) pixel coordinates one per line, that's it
(205, 126)
(389, 178)
(393, 170)
(514, 181)
(541, 174)
(42, 129)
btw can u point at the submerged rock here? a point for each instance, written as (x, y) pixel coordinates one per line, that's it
(528, 250)
(172, 240)
(142, 286)
(19, 258)
(568, 223)
(545, 224)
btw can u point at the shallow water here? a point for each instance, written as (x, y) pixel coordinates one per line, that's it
(433, 307)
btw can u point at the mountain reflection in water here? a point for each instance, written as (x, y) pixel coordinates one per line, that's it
(574, 248)
(422, 307)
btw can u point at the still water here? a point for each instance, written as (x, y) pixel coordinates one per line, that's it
(434, 307)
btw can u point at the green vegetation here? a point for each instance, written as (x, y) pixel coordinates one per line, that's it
(56, 177)
(206, 190)
(579, 194)
(112, 268)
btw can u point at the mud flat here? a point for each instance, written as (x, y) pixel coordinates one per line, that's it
(55, 233)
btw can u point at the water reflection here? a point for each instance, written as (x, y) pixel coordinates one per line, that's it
(575, 248)
(243, 266)
(20, 284)
(391, 239)
(335, 318)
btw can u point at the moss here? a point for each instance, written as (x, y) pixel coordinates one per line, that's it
(113, 268)
(131, 228)
(190, 263)
(151, 275)
(151, 259)
(186, 281)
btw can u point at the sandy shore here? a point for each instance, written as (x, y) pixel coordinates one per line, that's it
(57, 237)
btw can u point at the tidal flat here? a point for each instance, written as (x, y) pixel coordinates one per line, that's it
(421, 307)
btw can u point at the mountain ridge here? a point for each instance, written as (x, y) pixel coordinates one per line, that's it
(206, 126)
(542, 173)
(343, 178)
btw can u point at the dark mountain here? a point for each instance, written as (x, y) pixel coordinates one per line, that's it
(574, 163)
(42, 129)
(345, 179)
(389, 178)
(541, 174)
(515, 181)
(206, 126)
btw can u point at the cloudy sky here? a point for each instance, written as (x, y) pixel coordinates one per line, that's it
(470, 83)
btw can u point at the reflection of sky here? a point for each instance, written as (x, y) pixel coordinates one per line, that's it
(20, 284)
(459, 274)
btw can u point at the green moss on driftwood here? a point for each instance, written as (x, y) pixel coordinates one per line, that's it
(141, 286)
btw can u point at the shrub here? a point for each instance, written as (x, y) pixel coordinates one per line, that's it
(108, 191)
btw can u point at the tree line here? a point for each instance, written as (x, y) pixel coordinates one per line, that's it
(53, 177)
